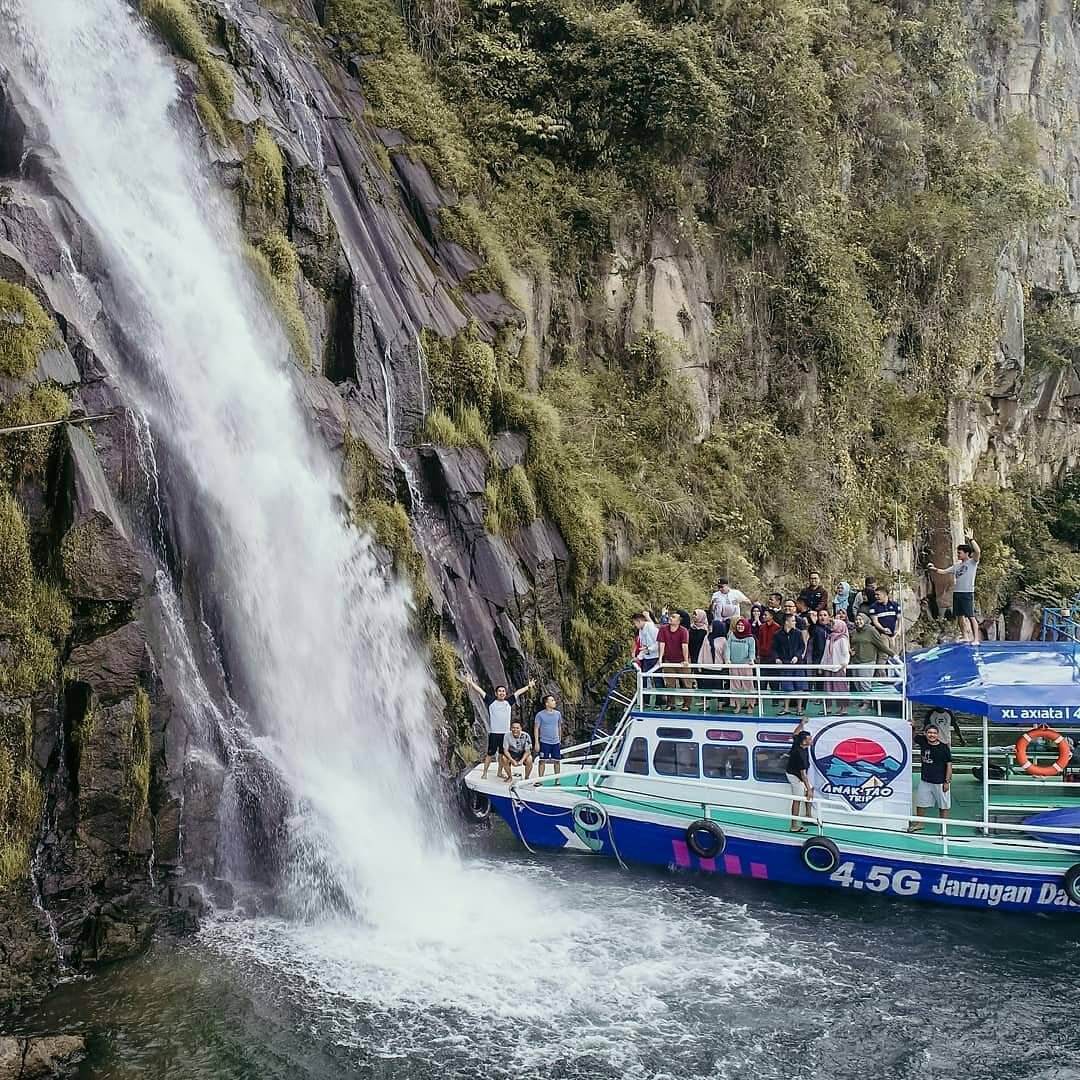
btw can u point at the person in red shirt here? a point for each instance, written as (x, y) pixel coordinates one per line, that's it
(674, 643)
(766, 648)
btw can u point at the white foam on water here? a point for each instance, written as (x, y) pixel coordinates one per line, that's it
(605, 976)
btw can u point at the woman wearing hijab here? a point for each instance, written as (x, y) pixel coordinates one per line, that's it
(699, 633)
(841, 598)
(835, 660)
(714, 651)
(867, 646)
(755, 617)
(741, 656)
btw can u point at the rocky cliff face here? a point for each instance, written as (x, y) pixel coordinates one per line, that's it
(402, 304)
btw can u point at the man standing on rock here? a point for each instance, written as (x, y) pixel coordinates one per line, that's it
(499, 708)
(963, 601)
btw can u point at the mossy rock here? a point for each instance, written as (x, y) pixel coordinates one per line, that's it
(26, 331)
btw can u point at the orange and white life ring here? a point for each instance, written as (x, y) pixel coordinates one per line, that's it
(1064, 752)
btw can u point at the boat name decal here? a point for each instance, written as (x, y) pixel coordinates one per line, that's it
(907, 882)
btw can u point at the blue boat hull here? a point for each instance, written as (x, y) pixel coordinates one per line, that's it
(769, 859)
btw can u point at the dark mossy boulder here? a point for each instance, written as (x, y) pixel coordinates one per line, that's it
(98, 558)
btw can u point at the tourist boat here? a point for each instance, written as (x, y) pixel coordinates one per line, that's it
(705, 789)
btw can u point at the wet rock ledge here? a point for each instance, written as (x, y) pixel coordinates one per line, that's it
(40, 1058)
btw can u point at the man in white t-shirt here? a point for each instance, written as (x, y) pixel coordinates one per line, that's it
(647, 645)
(725, 603)
(963, 602)
(500, 707)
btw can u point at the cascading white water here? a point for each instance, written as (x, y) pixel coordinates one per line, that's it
(468, 968)
(336, 685)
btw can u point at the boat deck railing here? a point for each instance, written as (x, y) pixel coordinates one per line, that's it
(1061, 623)
(867, 686)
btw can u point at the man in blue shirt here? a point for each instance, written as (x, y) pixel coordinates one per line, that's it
(885, 613)
(547, 731)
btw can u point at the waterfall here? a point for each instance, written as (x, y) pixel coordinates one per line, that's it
(335, 687)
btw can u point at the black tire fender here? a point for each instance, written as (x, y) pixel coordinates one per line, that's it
(705, 839)
(589, 816)
(1071, 883)
(820, 855)
(475, 805)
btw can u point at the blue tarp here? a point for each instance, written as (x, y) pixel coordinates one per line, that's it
(1010, 682)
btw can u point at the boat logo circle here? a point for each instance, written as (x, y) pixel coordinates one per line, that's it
(858, 760)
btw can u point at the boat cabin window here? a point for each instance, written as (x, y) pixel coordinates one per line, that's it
(674, 733)
(724, 735)
(676, 758)
(770, 763)
(637, 761)
(725, 762)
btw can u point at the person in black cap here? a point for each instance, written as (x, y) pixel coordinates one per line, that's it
(798, 775)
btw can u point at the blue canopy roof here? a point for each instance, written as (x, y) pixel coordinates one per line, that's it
(1010, 682)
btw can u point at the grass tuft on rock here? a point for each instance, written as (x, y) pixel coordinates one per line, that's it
(554, 659)
(390, 526)
(264, 171)
(282, 295)
(21, 795)
(175, 21)
(25, 330)
(139, 758)
(26, 454)
(511, 503)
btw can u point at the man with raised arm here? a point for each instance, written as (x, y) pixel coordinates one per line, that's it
(499, 709)
(963, 602)
(724, 603)
(797, 770)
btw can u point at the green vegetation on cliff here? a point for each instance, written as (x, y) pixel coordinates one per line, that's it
(177, 24)
(35, 618)
(20, 795)
(826, 165)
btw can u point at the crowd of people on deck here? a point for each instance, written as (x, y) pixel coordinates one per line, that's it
(834, 641)
(819, 634)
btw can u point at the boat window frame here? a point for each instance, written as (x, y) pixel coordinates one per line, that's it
(678, 744)
(727, 748)
(646, 761)
(773, 748)
(683, 734)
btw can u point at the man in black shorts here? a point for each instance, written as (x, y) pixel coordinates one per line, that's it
(798, 775)
(963, 572)
(935, 783)
(499, 708)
